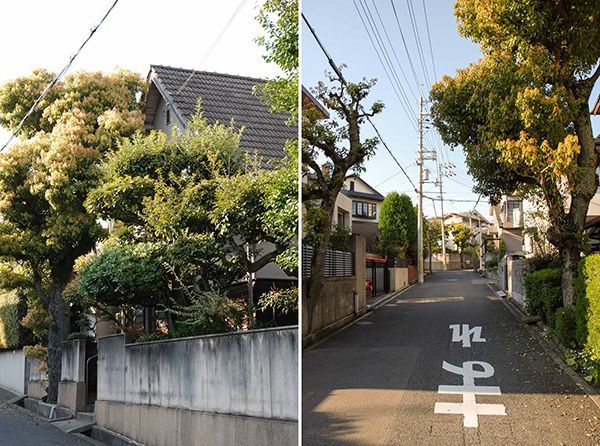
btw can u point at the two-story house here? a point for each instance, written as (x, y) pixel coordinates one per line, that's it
(366, 203)
(172, 99)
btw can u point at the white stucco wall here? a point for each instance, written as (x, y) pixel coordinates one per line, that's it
(160, 122)
(12, 371)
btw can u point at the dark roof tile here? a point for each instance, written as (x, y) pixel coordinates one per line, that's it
(227, 97)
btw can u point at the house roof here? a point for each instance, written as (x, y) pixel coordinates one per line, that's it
(374, 195)
(596, 107)
(225, 97)
(473, 214)
(354, 194)
(310, 102)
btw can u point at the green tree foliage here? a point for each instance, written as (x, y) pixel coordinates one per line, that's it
(461, 237)
(190, 206)
(120, 275)
(46, 176)
(339, 143)
(279, 19)
(397, 226)
(521, 113)
(543, 293)
(11, 309)
(588, 305)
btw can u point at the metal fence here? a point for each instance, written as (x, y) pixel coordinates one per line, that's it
(337, 263)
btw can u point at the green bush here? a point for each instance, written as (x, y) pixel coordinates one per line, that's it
(543, 293)
(544, 261)
(11, 309)
(565, 326)
(587, 304)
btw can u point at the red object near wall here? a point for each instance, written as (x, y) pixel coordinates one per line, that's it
(412, 273)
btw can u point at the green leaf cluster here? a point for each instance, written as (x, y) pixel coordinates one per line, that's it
(397, 226)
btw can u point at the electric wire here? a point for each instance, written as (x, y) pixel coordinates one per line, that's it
(212, 47)
(429, 40)
(343, 80)
(410, 62)
(403, 102)
(58, 76)
(414, 26)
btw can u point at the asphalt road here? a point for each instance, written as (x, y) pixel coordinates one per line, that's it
(21, 428)
(376, 383)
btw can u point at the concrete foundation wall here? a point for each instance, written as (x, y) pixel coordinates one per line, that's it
(247, 375)
(160, 426)
(12, 371)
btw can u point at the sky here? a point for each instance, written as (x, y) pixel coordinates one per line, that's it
(40, 34)
(338, 25)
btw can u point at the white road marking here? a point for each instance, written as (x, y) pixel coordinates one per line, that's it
(469, 408)
(452, 280)
(467, 336)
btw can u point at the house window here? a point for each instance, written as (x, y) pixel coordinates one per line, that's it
(511, 207)
(364, 209)
(343, 218)
(168, 116)
(351, 185)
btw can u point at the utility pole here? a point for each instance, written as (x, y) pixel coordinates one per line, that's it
(441, 174)
(420, 262)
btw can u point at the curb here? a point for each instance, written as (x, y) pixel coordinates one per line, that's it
(553, 352)
(370, 310)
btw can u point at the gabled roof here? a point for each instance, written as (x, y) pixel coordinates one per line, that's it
(354, 194)
(310, 102)
(596, 107)
(374, 195)
(225, 97)
(476, 215)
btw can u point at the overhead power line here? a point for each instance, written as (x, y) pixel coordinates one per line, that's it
(429, 40)
(343, 80)
(383, 57)
(212, 46)
(58, 76)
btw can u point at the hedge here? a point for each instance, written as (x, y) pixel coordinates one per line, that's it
(566, 326)
(543, 293)
(587, 304)
(10, 316)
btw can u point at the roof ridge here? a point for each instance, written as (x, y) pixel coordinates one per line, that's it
(212, 73)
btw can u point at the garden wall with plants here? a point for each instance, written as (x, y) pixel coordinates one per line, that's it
(577, 327)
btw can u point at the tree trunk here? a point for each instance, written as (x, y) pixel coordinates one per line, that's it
(567, 228)
(317, 265)
(59, 329)
(570, 260)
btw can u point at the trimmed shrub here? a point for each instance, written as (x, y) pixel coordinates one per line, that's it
(11, 332)
(588, 304)
(543, 293)
(565, 321)
(544, 261)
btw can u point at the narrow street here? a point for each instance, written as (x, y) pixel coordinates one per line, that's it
(20, 428)
(377, 382)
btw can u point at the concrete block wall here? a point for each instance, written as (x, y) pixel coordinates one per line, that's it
(515, 271)
(248, 381)
(37, 380)
(12, 371)
(344, 298)
(398, 278)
